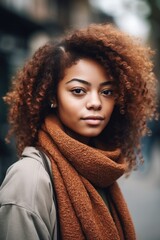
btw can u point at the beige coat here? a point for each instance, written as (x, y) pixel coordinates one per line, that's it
(27, 208)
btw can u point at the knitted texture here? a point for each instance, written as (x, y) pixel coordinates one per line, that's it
(77, 169)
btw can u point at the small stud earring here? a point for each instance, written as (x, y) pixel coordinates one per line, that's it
(53, 105)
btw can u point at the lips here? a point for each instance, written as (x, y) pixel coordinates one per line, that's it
(93, 120)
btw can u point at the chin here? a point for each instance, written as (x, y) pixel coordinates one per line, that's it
(93, 134)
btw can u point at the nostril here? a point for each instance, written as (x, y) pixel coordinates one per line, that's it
(96, 106)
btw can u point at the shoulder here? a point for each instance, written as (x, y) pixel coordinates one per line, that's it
(28, 185)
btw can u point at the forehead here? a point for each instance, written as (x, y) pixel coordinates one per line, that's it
(86, 69)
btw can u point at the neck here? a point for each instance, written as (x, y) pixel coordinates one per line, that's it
(82, 139)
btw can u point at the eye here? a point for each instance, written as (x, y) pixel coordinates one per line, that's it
(78, 91)
(107, 92)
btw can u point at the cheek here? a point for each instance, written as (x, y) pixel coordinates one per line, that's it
(109, 108)
(67, 109)
(68, 104)
(63, 107)
(112, 108)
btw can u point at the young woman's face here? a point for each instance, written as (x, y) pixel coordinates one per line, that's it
(85, 100)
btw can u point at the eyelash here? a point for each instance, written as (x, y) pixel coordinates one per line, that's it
(81, 91)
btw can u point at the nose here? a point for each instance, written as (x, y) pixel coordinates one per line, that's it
(94, 102)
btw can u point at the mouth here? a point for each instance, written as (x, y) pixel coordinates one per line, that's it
(93, 120)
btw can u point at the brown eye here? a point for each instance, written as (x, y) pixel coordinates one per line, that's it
(78, 91)
(107, 92)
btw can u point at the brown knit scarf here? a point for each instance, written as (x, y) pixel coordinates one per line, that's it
(78, 170)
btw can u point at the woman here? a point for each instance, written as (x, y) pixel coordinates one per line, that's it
(81, 106)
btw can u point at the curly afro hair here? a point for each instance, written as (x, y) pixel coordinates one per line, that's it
(124, 59)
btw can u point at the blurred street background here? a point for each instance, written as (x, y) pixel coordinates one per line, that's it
(25, 25)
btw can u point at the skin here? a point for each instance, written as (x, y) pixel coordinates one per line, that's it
(85, 100)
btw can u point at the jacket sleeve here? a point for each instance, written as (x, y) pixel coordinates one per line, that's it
(27, 209)
(18, 223)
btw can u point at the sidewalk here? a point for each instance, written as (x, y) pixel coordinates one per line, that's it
(142, 193)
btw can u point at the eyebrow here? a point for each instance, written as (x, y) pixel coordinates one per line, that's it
(89, 84)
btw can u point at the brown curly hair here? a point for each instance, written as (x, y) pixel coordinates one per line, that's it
(123, 58)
